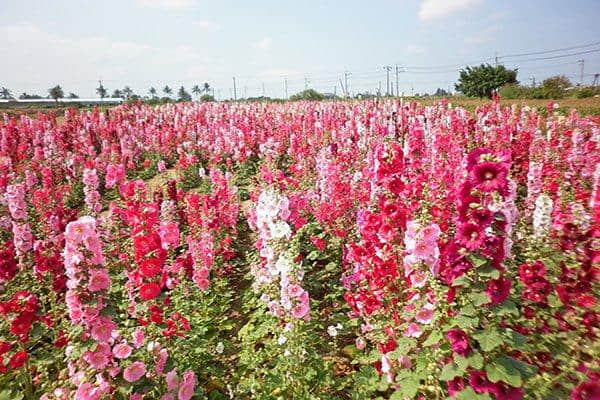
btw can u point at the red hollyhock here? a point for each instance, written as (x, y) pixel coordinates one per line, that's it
(150, 267)
(498, 290)
(18, 360)
(471, 235)
(489, 176)
(149, 291)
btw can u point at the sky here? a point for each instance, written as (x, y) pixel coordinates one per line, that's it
(263, 43)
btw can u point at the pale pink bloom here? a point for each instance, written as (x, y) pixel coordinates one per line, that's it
(413, 330)
(167, 396)
(187, 388)
(161, 166)
(404, 361)
(134, 372)
(300, 310)
(87, 391)
(418, 278)
(360, 343)
(295, 290)
(425, 314)
(99, 280)
(122, 350)
(96, 359)
(138, 338)
(103, 329)
(172, 380)
(162, 360)
(135, 396)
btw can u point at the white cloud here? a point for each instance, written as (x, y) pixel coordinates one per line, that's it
(415, 49)
(167, 4)
(486, 35)
(434, 9)
(264, 43)
(207, 25)
(34, 59)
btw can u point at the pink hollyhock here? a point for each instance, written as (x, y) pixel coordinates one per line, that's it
(413, 330)
(169, 234)
(122, 350)
(134, 372)
(498, 290)
(172, 380)
(87, 391)
(425, 314)
(300, 310)
(103, 329)
(99, 280)
(96, 359)
(188, 385)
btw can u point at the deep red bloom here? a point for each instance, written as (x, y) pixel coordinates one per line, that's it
(479, 382)
(489, 176)
(471, 235)
(21, 325)
(18, 359)
(498, 290)
(455, 385)
(149, 291)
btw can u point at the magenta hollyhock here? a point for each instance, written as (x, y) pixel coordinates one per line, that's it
(498, 290)
(459, 342)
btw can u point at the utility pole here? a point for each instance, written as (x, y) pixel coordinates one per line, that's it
(346, 74)
(335, 90)
(379, 90)
(101, 91)
(285, 86)
(234, 90)
(387, 69)
(392, 88)
(343, 88)
(496, 58)
(533, 81)
(263, 85)
(245, 92)
(596, 76)
(581, 62)
(398, 70)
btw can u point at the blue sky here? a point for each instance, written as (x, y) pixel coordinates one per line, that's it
(143, 43)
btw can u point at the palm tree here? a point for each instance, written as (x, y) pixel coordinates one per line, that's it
(167, 90)
(5, 93)
(152, 92)
(101, 90)
(206, 87)
(117, 93)
(196, 90)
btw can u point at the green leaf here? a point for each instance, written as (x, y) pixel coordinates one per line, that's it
(554, 301)
(474, 360)
(465, 322)
(500, 370)
(469, 394)
(408, 388)
(463, 281)
(508, 307)
(527, 370)
(516, 340)
(434, 338)
(468, 310)
(449, 372)
(479, 298)
(488, 339)
(488, 272)
(477, 260)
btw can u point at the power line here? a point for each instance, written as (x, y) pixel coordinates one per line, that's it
(551, 51)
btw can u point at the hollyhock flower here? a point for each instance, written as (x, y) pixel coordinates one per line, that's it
(479, 382)
(122, 350)
(97, 359)
(150, 267)
(138, 338)
(188, 385)
(471, 236)
(134, 371)
(455, 386)
(489, 176)
(425, 314)
(18, 360)
(169, 234)
(149, 291)
(87, 391)
(413, 330)
(103, 329)
(300, 310)
(498, 290)
(459, 342)
(586, 391)
(98, 280)
(172, 380)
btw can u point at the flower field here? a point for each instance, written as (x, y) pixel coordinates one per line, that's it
(334, 250)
